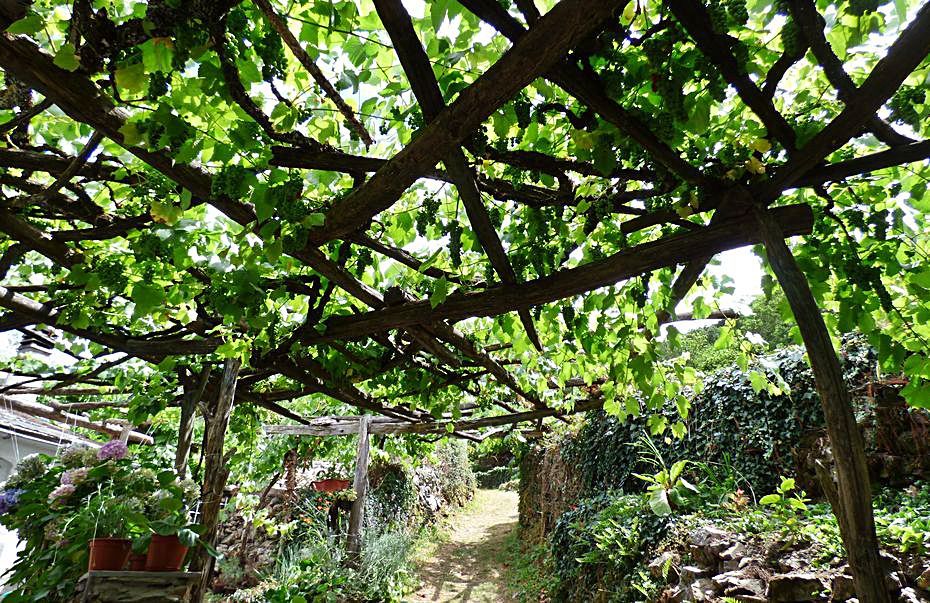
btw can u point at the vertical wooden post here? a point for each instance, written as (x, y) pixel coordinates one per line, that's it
(854, 494)
(215, 472)
(357, 516)
(192, 395)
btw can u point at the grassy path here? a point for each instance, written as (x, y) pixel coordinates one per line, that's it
(468, 567)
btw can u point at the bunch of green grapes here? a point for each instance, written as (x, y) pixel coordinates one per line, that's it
(903, 105)
(148, 246)
(158, 84)
(364, 259)
(111, 274)
(270, 49)
(737, 11)
(523, 108)
(792, 40)
(428, 214)
(861, 7)
(229, 182)
(295, 241)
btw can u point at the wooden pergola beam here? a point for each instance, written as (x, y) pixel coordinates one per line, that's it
(669, 251)
(341, 425)
(35, 409)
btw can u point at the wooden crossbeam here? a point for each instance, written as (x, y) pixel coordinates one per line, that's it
(732, 233)
(35, 409)
(341, 425)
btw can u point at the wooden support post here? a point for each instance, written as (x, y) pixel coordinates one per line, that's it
(854, 494)
(357, 516)
(192, 395)
(215, 472)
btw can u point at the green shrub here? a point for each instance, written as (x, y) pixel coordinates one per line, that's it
(754, 434)
(601, 544)
(456, 478)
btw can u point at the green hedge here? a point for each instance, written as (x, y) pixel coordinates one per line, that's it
(750, 435)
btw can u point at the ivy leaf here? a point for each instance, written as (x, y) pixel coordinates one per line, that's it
(65, 57)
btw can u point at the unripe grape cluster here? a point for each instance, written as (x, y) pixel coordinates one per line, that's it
(229, 182)
(428, 215)
(903, 105)
(111, 274)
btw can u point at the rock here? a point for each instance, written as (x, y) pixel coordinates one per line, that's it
(909, 595)
(894, 581)
(842, 587)
(707, 542)
(738, 583)
(703, 589)
(889, 562)
(665, 566)
(795, 586)
(691, 573)
(733, 556)
(672, 594)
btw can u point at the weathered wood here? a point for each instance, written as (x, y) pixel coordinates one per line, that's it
(360, 484)
(215, 471)
(854, 493)
(546, 43)
(318, 76)
(728, 234)
(336, 426)
(40, 410)
(835, 172)
(193, 392)
(134, 587)
(419, 72)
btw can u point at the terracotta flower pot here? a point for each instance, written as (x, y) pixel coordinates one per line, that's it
(137, 562)
(109, 553)
(331, 485)
(166, 554)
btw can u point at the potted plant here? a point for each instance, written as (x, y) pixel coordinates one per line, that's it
(172, 533)
(332, 480)
(105, 518)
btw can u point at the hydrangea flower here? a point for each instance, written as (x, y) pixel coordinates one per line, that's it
(75, 455)
(74, 476)
(9, 499)
(114, 449)
(61, 491)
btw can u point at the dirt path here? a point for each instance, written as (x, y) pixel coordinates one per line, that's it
(468, 566)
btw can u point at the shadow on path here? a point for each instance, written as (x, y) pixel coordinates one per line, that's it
(468, 568)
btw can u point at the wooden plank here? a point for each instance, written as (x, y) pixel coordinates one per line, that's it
(335, 426)
(422, 80)
(856, 521)
(357, 515)
(793, 219)
(40, 410)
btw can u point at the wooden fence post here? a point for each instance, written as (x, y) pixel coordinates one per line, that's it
(854, 494)
(357, 516)
(215, 472)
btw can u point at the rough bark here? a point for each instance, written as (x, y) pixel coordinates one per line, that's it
(854, 494)
(215, 471)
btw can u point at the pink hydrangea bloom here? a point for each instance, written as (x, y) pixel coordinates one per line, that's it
(61, 491)
(113, 449)
(74, 476)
